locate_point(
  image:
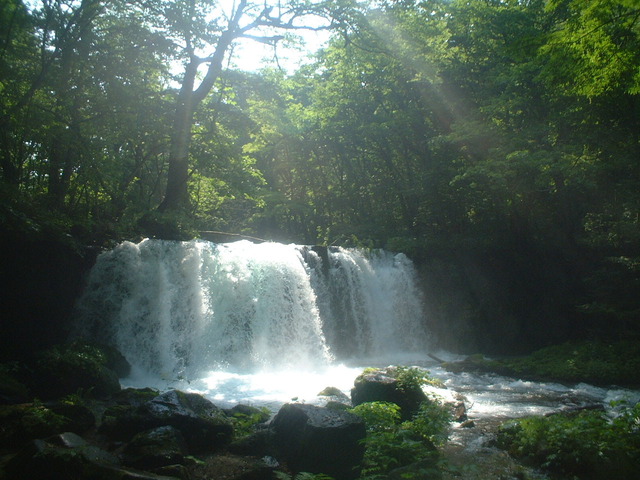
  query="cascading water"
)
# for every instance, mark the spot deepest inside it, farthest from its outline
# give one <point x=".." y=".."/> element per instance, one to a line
<point x="264" y="323"/>
<point x="181" y="309"/>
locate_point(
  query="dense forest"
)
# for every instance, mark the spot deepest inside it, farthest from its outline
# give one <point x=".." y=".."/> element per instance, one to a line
<point x="496" y="142"/>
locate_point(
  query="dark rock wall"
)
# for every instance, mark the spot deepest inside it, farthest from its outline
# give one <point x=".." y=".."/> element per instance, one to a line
<point x="40" y="278"/>
<point x="499" y="301"/>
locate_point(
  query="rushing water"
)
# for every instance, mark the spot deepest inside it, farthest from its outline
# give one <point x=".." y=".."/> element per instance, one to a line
<point x="241" y="318"/>
<point x="267" y="323"/>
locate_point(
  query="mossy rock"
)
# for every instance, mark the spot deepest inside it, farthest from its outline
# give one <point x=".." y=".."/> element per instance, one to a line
<point x="135" y="396"/>
<point x="205" y="427"/>
<point x="71" y="368"/>
<point x="26" y="422"/>
<point x="155" y="448"/>
<point x="387" y="385"/>
<point x="70" y="456"/>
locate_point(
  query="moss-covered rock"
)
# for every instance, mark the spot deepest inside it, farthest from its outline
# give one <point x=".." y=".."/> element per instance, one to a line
<point x="155" y="448"/>
<point x="70" y="456"/>
<point x="391" y="384"/>
<point x="66" y="369"/>
<point x="205" y="427"/>
<point x="22" y="423"/>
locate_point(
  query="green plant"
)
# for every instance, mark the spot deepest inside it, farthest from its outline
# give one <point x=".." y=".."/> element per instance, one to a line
<point x="244" y="423"/>
<point x="39" y="420"/>
<point x="411" y="378"/>
<point x="588" y="444"/>
<point x="432" y="421"/>
<point x="378" y="416"/>
<point x="391" y="443"/>
<point x="591" y="361"/>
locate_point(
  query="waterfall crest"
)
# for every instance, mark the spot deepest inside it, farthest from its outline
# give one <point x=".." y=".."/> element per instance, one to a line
<point x="180" y="308"/>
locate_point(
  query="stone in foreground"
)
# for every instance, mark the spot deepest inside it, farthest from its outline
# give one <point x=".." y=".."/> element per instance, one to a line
<point x="320" y="440"/>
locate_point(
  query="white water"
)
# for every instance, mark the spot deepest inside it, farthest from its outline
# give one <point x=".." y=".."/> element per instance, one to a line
<point x="230" y="317"/>
<point x="267" y="323"/>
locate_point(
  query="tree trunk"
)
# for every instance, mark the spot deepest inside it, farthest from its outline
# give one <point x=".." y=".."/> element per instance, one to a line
<point x="176" y="194"/>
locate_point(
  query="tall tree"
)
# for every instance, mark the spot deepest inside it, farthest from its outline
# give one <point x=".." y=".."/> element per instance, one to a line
<point x="198" y="31"/>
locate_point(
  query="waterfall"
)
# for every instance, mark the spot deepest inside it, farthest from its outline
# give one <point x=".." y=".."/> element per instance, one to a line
<point x="177" y="309"/>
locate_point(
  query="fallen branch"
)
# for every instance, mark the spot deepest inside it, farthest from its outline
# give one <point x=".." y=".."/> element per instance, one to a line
<point x="205" y="233"/>
<point x="439" y="360"/>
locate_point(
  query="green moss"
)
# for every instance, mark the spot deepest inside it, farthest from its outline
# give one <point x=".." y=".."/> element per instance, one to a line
<point x="330" y="391"/>
<point x="21" y="423"/>
<point x="77" y="366"/>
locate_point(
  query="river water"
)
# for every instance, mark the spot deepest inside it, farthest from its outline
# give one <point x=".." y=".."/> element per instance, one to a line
<point x="266" y="324"/>
<point x="484" y="395"/>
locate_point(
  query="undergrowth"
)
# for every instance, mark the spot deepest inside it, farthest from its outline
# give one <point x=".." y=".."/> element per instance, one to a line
<point x="588" y="445"/>
<point x="391" y="443"/>
<point x="595" y="362"/>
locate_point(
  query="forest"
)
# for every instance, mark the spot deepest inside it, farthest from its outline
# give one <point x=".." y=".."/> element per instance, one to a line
<point x="491" y="136"/>
<point x="496" y="143"/>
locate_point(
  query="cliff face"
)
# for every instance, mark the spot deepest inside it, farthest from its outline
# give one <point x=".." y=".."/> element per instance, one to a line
<point x="499" y="301"/>
<point x="41" y="279"/>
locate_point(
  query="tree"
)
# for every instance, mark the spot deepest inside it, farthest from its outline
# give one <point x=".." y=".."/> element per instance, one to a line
<point x="191" y="23"/>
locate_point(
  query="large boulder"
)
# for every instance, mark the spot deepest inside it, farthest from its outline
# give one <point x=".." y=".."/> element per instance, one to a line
<point x="382" y="385"/>
<point x="78" y="366"/>
<point x="155" y="448"/>
<point x="204" y="426"/>
<point x="25" y="422"/>
<point x="320" y="440"/>
<point x="69" y="456"/>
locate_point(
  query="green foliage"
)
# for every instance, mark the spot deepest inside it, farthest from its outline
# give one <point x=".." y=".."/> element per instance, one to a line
<point x="378" y="416"/>
<point x="38" y="419"/>
<point x="391" y="443"/>
<point x="77" y="354"/>
<point x="600" y="40"/>
<point x="412" y="378"/>
<point x="595" y="362"/>
<point x="244" y="423"/>
<point x="76" y="367"/>
<point x="586" y="444"/>
<point x="432" y="421"/>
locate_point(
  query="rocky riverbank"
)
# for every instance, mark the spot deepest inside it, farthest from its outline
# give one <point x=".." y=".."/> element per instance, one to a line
<point x="64" y="415"/>
<point x="83" y="425"/>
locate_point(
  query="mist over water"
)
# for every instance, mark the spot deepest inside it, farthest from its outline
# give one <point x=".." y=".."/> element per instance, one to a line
<point x="181" y="309"/>
<point x="267" y="323"/>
